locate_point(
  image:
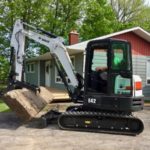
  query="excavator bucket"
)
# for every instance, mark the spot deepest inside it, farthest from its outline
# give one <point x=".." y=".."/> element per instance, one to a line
<point x="28" y="105"/>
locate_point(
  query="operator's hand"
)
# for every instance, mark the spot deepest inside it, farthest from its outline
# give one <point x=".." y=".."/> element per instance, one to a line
<point x="101" y="68"/>
<point x="102" y="72"/>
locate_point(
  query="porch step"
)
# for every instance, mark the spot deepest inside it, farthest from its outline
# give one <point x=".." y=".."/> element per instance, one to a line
<point x="58" y="94"/>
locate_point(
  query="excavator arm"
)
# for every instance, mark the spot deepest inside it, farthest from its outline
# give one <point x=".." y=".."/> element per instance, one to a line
<point x="57" y="50"/>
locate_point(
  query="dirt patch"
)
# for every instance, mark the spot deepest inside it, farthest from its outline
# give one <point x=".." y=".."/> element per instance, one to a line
<point x="15" y="136"/>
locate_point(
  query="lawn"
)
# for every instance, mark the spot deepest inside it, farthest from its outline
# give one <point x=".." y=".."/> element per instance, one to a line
<point x="3" y="107"/>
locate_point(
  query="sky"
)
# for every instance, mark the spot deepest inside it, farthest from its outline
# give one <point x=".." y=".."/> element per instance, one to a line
<point x="147" y="2"/>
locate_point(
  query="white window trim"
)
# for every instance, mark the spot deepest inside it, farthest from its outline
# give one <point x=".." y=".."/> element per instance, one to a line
<point x="38" y="72"/>
<point x="148" y="60"/>
<point x="84" y="60"/>
<point x="60" y="82"/>
<point x="29" y="71"/>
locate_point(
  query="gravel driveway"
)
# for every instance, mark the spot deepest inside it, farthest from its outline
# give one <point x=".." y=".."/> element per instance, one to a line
<point x="15" y="136"/>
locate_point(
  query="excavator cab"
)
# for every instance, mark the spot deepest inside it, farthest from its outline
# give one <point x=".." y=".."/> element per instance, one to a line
<point x="108" y="76"/>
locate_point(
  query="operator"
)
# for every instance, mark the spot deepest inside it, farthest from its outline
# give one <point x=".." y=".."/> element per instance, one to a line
<point x="102" y="73"/>
<point x="118" y="62"/>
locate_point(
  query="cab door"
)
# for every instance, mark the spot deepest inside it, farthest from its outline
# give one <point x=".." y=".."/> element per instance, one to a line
<point x="111" y="58"/>
<point x="120" y="71"/>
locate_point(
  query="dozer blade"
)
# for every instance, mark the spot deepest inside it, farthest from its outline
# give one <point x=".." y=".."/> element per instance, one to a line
<point x="100" y="122"/>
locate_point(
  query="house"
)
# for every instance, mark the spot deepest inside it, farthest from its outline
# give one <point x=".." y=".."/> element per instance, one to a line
<point x="41" y="70"/>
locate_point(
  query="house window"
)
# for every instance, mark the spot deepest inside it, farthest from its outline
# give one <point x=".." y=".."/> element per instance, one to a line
<point x="58" y="78"/>
<point x="31" y="68"/>
<point x="148" y="72"/>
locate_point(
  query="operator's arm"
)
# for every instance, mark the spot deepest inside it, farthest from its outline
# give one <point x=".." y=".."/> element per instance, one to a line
<point x="101" y="68"/>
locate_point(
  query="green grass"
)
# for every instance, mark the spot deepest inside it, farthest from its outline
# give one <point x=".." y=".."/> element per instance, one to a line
<point x="4" y="107"/>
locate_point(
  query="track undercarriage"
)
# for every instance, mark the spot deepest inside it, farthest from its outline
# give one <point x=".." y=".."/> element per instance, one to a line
<point x="95" y="121"/>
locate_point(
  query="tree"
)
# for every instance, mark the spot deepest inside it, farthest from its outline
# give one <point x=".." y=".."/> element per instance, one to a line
<point x="11" y="10"/>
<point x="61" y="16"/>
<point x="127" y="10"/>
<point x="57" y="16"/>
<point x="27" y="10"/>
<point x="131" y="13"/>
<point x="144" y="19"/>
<point x="99" y="19"/>
<point x="4" y="68"/>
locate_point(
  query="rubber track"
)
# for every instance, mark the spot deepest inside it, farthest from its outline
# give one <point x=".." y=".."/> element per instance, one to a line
<point x="100" y="122"/>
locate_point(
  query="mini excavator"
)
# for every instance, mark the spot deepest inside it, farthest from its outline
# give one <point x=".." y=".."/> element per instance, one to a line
<point x="107" y="95"/>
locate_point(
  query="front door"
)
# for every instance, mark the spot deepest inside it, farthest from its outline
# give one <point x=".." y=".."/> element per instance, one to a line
<point x="47" y="74"/>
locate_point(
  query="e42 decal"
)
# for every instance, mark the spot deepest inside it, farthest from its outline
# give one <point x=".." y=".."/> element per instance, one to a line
<point x="92" y="100"/>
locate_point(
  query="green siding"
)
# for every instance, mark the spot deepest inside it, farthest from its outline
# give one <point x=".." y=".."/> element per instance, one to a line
<point x="139" y="68"/>
<point x="42" y="73"/>
<point x="78" y="68"/>
<point x="79" y="63"/>
<point x="53" y="84"/>
<point x="32" y="78"/>
<point x="99" y="60"/>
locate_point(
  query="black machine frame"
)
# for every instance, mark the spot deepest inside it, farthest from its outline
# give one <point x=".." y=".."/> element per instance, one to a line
<point x="109" y="101"/>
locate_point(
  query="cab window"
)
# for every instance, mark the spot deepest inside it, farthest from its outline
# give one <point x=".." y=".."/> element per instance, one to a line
<point x="120" y="57"/>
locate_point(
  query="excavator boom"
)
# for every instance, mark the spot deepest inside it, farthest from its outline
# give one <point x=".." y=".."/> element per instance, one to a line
<point x="56" y="47"/>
